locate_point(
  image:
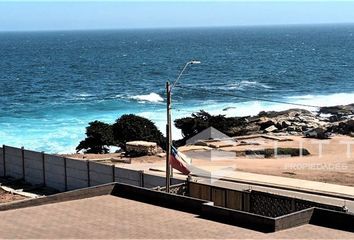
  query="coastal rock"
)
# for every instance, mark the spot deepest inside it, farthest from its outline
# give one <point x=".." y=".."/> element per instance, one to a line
<point x="271" y="129"/>
<point x="291" y="129"/>
<point x="334" y="118"/>
<point x="244" y="130"/>
<point x="285" y="124"/>
<point x="350" y="123"/>
<point x="294" y="112"/>
<point x="338" y="110"/>
<point x="304" y="128"/>
<point x="297" y="124"/>
<point x="338" y="119"/>
<point x="278" y="125"/>
<point x="141" y="148"/>
<point x="265" y="123"/>
<point x="346" y="127"/>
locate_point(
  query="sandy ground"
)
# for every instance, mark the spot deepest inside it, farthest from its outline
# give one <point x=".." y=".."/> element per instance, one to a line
<point x="331" y="160"/>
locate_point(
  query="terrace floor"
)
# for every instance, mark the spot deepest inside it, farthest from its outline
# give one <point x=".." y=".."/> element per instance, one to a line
<point x="114" y="217"/>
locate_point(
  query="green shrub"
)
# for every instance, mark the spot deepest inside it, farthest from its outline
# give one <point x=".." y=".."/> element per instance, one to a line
<point x="126" y="128"/>
<point x="131" y="128"/>
<point x="269" y="152"/>
<point x="99" y="135"/>
<point x="202" y="120"/>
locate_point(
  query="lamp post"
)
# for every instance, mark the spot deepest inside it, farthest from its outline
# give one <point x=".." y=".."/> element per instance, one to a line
<point x="169" y="88"/>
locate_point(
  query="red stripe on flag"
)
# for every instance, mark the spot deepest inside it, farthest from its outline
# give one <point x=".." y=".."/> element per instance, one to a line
<point x="178" y="165"/>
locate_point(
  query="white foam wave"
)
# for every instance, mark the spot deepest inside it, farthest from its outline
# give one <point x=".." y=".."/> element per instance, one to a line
<point x="63" y="134"/>
<point x="254" y="107"/>
<point x="118" y="96"/>
<point x="324" y="100"/>
<point x="247" y="84"/>
<point x="302" y="97"/>
<point x="84" y="95"/>
<point x="151" y="97"/>
<point x="80" y="96"/>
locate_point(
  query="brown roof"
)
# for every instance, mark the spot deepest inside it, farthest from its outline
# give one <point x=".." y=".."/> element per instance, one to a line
<point x="114" y="217"/>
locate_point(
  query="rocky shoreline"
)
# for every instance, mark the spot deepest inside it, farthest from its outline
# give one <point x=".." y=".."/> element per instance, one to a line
<point x="336" y="120"/>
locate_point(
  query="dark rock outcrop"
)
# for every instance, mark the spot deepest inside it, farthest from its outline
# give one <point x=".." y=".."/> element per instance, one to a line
<point x="338" y="119"/>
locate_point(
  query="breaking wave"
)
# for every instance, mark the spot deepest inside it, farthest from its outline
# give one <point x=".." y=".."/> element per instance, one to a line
<point x="151" y="97"/>
<point x="247" y="84"/>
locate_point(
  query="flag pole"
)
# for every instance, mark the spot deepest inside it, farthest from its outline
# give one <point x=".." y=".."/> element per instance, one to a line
<point x="168" y="136"/>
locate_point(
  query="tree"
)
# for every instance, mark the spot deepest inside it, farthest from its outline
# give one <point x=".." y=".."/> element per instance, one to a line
<point x="131" y="128"/>
<point x="201" y="120"/>
<point x="99" y="135"/>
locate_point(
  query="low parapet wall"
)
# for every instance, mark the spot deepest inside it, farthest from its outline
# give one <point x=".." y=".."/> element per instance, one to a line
<point x="238" y="218"/>
<point x="333" y="219"/>
<point x="257" y="202"/>
<point x="60" y="197"/>
<point x="173" y="201"/>
<point x="293" y="219"/>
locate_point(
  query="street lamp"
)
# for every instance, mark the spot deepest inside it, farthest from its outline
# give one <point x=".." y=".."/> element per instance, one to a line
<point x="169" y="124"/>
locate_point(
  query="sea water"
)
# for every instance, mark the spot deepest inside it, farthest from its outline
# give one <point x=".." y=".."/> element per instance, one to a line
<point x="52" y="84"/>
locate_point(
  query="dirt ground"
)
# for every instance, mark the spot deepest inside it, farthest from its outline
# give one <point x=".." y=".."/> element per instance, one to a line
<point x="115" y="158"/>
<point x="9" y="197"/>
<point x="330" y="161"/>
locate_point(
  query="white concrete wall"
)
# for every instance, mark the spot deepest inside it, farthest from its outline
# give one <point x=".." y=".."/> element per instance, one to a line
<point x="13" y="162"/>
<point x="127" y="176"/>
<point x="33" y="167"/>
<point x="151" y="181"/>
<point x="50" y="170"/>
<point x="54" y="172"/>
<point x="77" y="174"/>
<point x="100" y="174"/>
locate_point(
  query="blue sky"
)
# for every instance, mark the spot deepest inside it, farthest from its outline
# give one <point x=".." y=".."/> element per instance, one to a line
<point x="68" y="15"/>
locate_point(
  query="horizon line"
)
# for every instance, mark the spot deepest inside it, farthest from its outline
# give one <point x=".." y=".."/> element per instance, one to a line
<point x="179" y="27"/>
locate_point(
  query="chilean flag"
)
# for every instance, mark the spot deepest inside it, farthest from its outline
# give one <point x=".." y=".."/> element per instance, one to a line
<point x="180" y="161"/>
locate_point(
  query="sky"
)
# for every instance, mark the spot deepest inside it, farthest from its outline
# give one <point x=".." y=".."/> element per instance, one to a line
<point x="41" y="15"/>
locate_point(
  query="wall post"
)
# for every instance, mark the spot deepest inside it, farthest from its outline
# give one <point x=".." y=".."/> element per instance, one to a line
<point x="113" y="173"/>
<point x="65" y="176"/>
<point x="246" y="201"/>
<point x="88" y="173"/>
<point x="3" y="158"/>
<point x="43" y="166"/>
<point x="141" y="178"/>
<point x="23" y="163"/>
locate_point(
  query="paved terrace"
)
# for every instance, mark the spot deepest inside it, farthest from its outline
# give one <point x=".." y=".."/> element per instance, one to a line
<point x="109" y="216"/>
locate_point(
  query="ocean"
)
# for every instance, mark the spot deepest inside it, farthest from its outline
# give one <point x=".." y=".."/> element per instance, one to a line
<point x="53" y="83"/>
